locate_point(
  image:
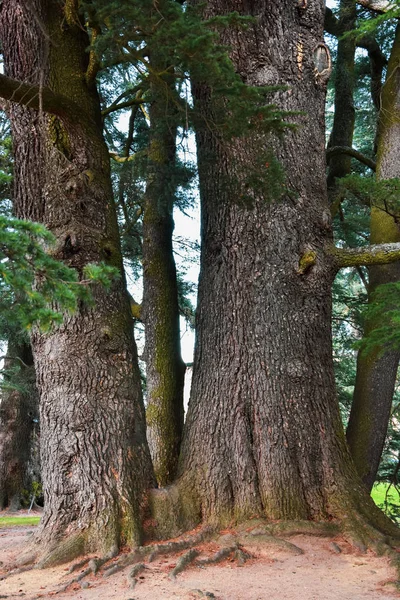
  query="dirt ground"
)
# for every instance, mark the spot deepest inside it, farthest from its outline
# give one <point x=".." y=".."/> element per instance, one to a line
<point x="301" y="568"/>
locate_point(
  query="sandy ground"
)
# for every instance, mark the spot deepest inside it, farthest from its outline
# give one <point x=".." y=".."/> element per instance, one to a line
<point x="320" y="573"/>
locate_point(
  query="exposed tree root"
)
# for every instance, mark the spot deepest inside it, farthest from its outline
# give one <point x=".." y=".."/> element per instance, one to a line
<point x="218" y="556"/>
<point x="133" y="573"/>
<point x="184" y="561"/>
<point x="78" y="565"/>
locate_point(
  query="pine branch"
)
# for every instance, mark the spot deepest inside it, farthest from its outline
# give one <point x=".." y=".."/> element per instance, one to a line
<point x="121" y="106"/>
<point x="351" y="152"/>
<point x="378" y="254"/>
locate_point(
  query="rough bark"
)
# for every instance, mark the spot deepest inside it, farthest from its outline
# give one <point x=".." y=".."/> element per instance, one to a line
<point x="95" y="459"/>
<point x="377" y="369"/>
<point x="19" y="412"/>
<point x="165" y="370"/>
<point x="263" y="433"/>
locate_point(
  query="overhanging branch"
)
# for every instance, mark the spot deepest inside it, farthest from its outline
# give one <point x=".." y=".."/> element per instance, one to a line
<point x="351" y="152"/>
<point x="121" y="106"/>
<point x="379" y="254"/>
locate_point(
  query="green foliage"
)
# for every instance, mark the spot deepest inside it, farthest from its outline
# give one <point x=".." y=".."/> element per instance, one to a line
<point x="34" y="287"/>
<point x="383" y="311"/>
<point x="382" y="193"/>
<point x="190" y="45"/>
<point x="349" y="300"/>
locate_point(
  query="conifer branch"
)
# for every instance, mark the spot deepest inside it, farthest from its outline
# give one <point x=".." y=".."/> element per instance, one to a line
<point x="351" y="152"/>
<point x="378" y="254"/>
<point x="114" y="107"/>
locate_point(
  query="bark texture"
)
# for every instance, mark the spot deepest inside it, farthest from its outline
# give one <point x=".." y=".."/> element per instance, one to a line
<point x="263" y="433"/>
<point x="377" y="369"/>
<point x="165" y="370"/>
<point x="19" y="416"/>
<point x="95" y="458"/>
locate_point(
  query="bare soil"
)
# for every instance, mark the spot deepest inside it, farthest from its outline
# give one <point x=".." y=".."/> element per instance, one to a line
<point x="328" y="569"/>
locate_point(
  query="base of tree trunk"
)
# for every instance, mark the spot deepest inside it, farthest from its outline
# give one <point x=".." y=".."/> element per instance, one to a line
<point x="47" y="550"/>
<point x="356" y="517"/>
<point x="252" y="538"/>
<point x="176" y="510"/>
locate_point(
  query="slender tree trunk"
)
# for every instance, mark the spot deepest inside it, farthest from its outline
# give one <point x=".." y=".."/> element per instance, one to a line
<point x="263" y="432"/>
<point x="95" y="458"/>
<point x="377" y="369"/>
<point x="344" y="117"/>
<point x="165" y="370"/>
<point x="18" y="420"/>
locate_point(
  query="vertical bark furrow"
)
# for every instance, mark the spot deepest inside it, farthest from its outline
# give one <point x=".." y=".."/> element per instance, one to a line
<point x="95" y="459"/>
<point x="263" y="414"/>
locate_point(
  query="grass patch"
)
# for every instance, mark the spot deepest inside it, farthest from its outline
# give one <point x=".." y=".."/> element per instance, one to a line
<point x="388" y="499"/>
<point x="19" y="521"/>
<point x="379" y="494"/>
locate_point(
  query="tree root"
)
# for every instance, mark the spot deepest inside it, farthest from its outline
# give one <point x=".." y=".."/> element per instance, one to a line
<point x="133" y="573"/>
<point x="218" y="556"/>
<point x="78" y="565"/>
<point x="139" y="554"/>
<point x="183" y="562"/>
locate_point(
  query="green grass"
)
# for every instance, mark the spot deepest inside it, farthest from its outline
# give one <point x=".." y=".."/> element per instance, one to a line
<point x="379" y="494"/>
<point x="18" y="521"/>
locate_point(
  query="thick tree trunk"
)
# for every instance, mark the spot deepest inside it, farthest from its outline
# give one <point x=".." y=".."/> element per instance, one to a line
<point x="19" y="412"/>
<point x="95" y="459"/>
<point x="377" y="369"/>
<point x="263" y="433"/>
<point x="165" y="370"/>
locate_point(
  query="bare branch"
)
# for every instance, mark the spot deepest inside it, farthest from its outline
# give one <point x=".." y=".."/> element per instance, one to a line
<point x="379" y="6"/>
<point x="379" y="254"/>
<point x="351" y="152"/>
<point x="121" y="159"/>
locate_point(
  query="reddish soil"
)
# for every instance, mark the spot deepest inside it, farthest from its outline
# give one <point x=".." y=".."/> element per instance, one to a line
<point x="326" y="570"/>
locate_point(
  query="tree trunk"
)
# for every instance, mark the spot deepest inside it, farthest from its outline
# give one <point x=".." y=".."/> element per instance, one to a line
<point x="165" y="370"/>
<point x="377" y="369"/>
<point x="18" y="420"/>
<point x="95" y="458"/>
<point x="263" y="433"/>
<point x="344" y="117"/>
